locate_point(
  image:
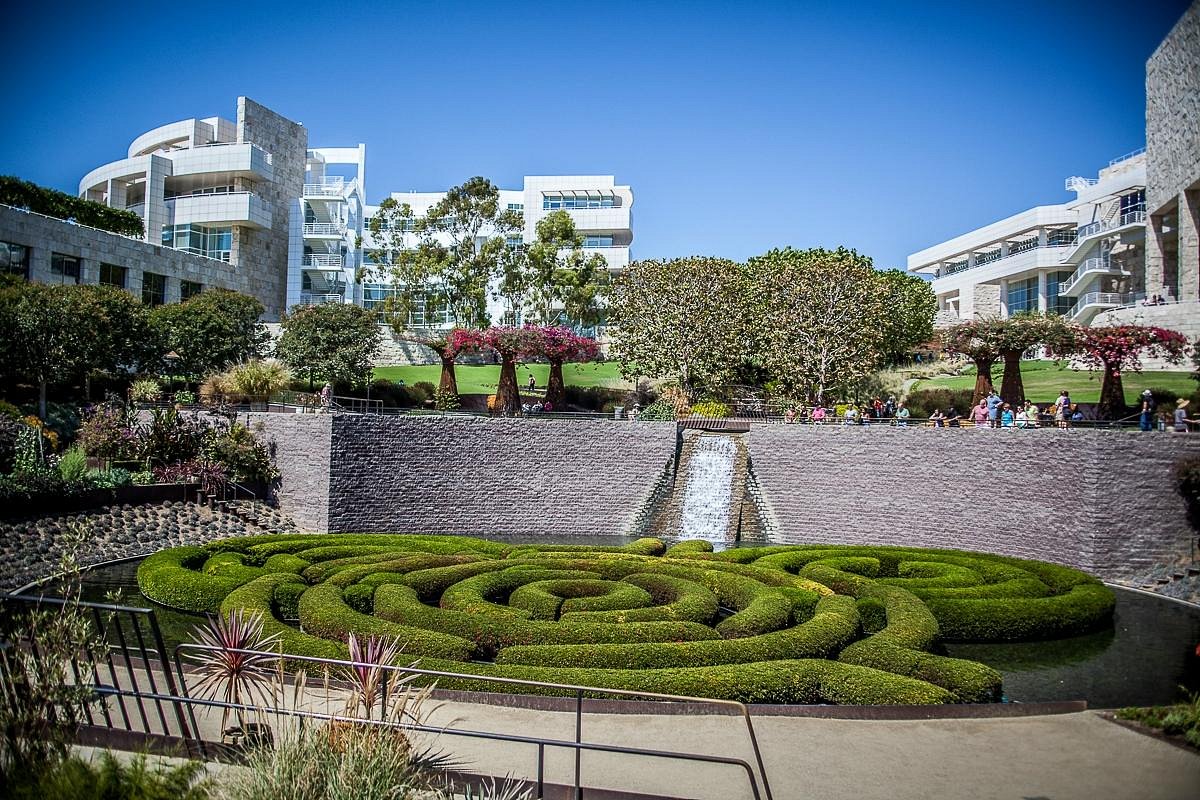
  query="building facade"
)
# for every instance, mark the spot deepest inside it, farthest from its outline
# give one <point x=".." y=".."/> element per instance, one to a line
<point x="218" y="189"/>
<point x="1076" y="258"/>
<point x="1126" y="250"/>
<point x="600" y="209"/>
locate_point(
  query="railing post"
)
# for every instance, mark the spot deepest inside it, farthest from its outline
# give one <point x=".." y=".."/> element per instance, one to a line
<point x="578" y="740"/>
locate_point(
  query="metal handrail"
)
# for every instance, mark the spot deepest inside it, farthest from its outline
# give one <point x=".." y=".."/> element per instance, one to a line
<point x="324" y="228"/>
<point x="1098" y="264"/>
<point x="323" y="260"/>
<point x="578" y="690"/>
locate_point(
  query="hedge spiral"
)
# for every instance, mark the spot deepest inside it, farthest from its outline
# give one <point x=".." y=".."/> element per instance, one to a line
<point x="778" y="624"/>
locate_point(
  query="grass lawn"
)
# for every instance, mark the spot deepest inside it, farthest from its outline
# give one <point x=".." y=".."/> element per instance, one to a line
<point x="483" y="379"/>
<point x="1045" y="379"/>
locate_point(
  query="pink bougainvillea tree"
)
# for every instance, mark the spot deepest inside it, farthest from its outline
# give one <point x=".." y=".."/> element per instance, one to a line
<point x="511" y="344"/>
<point x="559" y="345"/>
<point x="1118" y="348"/>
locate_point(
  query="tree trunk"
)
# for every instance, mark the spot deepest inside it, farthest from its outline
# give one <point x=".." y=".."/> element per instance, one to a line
<point x="1012" y="387"/>
<point x="1112" y="394"/>
<point x="556" y="389"/>
<point x="508" y="397"/>
<point x="448" y="382"/>
<point x="983" y="379"/>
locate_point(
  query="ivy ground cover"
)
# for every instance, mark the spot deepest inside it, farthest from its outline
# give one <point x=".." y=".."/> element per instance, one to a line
<point x="779" y="624"/>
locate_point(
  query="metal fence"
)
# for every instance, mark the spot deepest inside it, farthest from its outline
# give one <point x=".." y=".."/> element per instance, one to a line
<point x="137" y="688"/>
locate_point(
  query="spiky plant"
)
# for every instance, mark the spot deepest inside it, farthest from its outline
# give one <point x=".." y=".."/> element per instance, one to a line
<point x="231" y="676"/>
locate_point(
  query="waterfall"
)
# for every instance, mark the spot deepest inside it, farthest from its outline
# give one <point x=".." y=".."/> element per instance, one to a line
<point x="708" y="491"/>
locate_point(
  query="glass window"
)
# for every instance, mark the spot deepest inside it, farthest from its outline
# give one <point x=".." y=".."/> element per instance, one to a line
<point x="14" y="259"/>
<point x="1022" y="295"/>
<point x="1059" y="305"/>
<point x="189" y="289"/>
<point x="65" y="267"/>
<point x="513" y="242"/>
<point x="112" y="275"/>
<point x="154" y="289"/>
<point x="598" y="241"/>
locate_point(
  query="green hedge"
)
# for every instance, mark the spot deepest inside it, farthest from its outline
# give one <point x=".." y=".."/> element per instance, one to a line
<point x="24" y="194"/>
<point x="787" y="623"/>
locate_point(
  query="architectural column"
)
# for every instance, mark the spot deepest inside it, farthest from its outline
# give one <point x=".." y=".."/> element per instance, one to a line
<point x="116" y="194"/>
<point x="1154" y="254"/>
<point x="1004" y="249"/>
<point x="1004" y="298"/>
<point x="1043" y="292"/>
<point x="1189" y="246"/>
<point x="1043" y="237"/>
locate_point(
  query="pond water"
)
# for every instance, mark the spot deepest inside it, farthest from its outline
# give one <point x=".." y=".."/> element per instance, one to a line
<point x="1147" y="657"/>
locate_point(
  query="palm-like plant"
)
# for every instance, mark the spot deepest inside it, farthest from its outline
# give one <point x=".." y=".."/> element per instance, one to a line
<point x="225" y="673"/>
<point x="368" y="676"/>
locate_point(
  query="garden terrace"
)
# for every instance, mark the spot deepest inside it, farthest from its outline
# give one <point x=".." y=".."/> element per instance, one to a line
<point x="781" y="624"/>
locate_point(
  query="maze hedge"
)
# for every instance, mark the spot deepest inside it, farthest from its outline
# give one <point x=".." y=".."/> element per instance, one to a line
<point x="784" y="624"/>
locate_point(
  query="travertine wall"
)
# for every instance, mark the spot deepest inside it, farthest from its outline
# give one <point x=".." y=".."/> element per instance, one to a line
<point x="1173" y="112"/>
<point x="1101" y="501"/>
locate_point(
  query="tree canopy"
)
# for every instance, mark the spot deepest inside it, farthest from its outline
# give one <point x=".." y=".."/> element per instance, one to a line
<point x="817" y="318"/>
<point x="334" y="342"/>
<point x="682" y="319"/>
<point x="911" y="307"/>
<point x="1117" y="348"/>
<point x="210" y="331"/>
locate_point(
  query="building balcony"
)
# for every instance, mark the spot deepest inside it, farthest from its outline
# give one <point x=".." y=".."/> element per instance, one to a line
<point x="1088" y="235"/>
<point x="325" y="189"/>
<point x="1090" y="269"/>
<point x="235" y="158"/>
<point x="1020" y="256"/>
<point x="324" y="261"/>
<point x="234" y="208"/>
<point x="310" y="299"/>
<point x="324" y="230"/>
<point x="1092" y="303"/>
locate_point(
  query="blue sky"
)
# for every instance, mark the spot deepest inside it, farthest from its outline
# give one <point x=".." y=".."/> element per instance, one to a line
<point x="884" y="126"/>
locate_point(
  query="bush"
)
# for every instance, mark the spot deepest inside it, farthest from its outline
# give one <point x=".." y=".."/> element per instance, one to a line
<point x="110" y="431"/>
<point x="924" y="402"/>
<point x="145" y="390"/>
<point x="658" y="411"/>
<point x="595" y="398"/>
<point x="110" y="478"/>
<point x="711" y="409"/>
<point x="631" y="617"/>
<point x="73" y="465"/>
<point x="185" y="397"/>
<point x="75" y="778"/>
<point x="446" y="401"/>
<point x="41" y="200"/>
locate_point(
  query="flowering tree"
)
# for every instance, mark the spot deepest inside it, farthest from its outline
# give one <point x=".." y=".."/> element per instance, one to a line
<point x="557" y="346"/>
<point x="1117" y="348"/>
<point x="973" y="339"/>
<point x="511" y="344"/>
<point x="1012" y="337"/>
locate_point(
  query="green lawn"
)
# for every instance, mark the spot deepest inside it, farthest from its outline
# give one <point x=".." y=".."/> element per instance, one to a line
<point x="483" y="379"/>
<point x="1045" y="379"/>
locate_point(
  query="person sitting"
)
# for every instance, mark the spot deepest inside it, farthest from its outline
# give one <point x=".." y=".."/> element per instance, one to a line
<point x="902" y="415"/>
<point x="850" y="416"/>
<point x="938" y="418"/>
<point x="1076" y="413"/>
<point x="790" y="416"/>
<point x="547" y="406"/>
<point x="538" y="408"/>
<point x="1022" y="417"/>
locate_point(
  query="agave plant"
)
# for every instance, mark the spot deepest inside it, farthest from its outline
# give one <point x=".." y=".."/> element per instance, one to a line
<point x="228" y="675"/>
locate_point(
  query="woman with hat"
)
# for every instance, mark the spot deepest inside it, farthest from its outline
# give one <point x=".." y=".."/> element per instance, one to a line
<point x="1181" y="417"/>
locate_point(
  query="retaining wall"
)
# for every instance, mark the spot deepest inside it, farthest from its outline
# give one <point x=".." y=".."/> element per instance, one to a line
<point x="1099" y="500"/>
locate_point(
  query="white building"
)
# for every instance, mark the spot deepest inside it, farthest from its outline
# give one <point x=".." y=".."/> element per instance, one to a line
<point x="325" y="249"/>
<point x="1076" y="258"/>
<point x="600" y="209"/>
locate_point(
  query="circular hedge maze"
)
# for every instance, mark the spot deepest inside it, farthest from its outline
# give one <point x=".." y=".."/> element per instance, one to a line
<point x="783" y="624"/>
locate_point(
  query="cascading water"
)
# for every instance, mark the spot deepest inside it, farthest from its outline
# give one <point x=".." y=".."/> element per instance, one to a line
<point x="708" y="490"/>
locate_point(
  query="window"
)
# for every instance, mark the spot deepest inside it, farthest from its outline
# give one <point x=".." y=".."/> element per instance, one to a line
<point x="189" y="289"/>
<point x="1022" y="296"/>
<point x="14" y="259"/>
<point x="556" y="200"/>
<point x="514" y="242"/>
<point x="214" y="243"/>
<point x="516" y="206"/>
<point x="154" y="289"/>
<point x="112" y="275"/>
<point x="1059" y="305"/>
<point x="597" y="241"/>
<point x="1133" y="202"/>
<point x="65" y="267"/>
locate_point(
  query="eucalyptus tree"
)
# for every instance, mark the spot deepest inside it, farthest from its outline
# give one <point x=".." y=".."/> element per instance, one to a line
<point x="445" y="258"/>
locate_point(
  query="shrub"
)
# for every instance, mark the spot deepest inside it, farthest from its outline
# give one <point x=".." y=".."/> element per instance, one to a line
<point x="110" y="478"/>
<point x="10" y="430"/>
<point x="73" y="465"/>
<point x="241" y="455"/>
<point x="446" y="400"/>
<point x="171" y="437"/>
<point x="145" y="390"/>
<point x="924" y="402"/>
<point x="78" y="779"/>
<point x="659" y="411"/>
<point x="143" y="478"/>
<point x="41" y="200"/>
<point x="185" y="397"/>
<point x="711" y="409"/>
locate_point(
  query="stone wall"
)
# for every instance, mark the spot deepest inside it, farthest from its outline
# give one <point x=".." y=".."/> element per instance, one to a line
<point x="1101" y="501"/>
<point x="492" y="476"/>
<point x="300" y="446"/>
<point x="1173" y="112"/>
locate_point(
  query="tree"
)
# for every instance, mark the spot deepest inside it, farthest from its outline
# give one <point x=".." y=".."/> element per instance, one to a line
<point x="681" y="319"/>
<point x="334" y="342"/>
<point x="1117" y="348"/>
<point x="973" y="339"/>
<point x="817" y="317"/>
<point x="558" y="345"/>
<point x="210" y="331"/>
<point x="911" y="306"/>
<point x="565" y="282"/>
<point x="122" y="339"/>
<point x="47" y="333"/>
<point x="511" y="343"/>
<point x="448" y="256"/>
<point x="1012" y="337"/>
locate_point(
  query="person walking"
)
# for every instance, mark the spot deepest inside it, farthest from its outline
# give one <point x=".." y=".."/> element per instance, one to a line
<point x="532" y="383"/>
<point x="1062" y="409"/>
<point x="326" y="397"/>
<point x="1146" y="418"/>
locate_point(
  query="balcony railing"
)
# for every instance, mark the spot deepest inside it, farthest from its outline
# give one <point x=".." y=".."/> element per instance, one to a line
<point x="1100" y="227"/>
<point x="1103" y="301"/>
<point x="1127" y="156"/>
<point x="329" y="187"/>
<point x="324" y="229"/>
<point x="1058" y="239"/>
<point x="307" y="299"/>
<point x="330" y="261"/>
<point x="1100" y="265"/>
